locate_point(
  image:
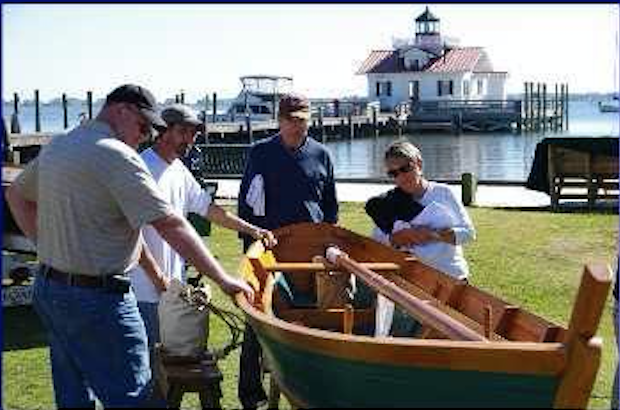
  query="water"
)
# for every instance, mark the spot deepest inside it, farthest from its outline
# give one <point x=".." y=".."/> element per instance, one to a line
<point x="490" y="156"/>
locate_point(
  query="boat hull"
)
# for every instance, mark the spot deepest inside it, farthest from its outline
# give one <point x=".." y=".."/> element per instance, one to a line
<point x="524" y="361"/>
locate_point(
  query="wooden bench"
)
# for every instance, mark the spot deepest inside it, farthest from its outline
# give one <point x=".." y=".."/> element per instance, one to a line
<point x="577" y="174"/>
<point x="180" y="375"/>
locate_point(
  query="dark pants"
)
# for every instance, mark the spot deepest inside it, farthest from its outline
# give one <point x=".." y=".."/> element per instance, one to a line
<point x="250" y="388"/>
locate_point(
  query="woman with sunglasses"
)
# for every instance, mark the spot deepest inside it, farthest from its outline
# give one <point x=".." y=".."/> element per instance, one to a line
<point x="423" y="217"/>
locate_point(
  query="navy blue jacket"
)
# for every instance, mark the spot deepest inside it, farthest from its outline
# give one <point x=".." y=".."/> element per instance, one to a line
<point x="299" y="185"/>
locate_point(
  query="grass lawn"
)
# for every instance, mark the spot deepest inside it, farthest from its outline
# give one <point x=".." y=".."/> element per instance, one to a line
<point x="531" y="258"/>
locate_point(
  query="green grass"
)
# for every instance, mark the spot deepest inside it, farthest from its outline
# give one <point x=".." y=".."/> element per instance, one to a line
<point x="531" y="258"/>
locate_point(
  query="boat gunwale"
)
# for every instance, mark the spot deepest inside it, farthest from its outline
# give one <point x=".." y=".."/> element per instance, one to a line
<point x="506" y="357"/>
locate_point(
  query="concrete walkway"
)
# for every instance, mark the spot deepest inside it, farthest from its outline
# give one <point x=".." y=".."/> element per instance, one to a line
<point x="495" y="196"/>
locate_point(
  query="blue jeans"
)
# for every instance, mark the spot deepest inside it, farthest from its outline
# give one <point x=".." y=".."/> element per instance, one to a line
<point x="149" y="314"/>
<point x="98" y="345"/>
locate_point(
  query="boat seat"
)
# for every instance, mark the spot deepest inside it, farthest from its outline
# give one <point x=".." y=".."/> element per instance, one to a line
<point x="182" y="374"/>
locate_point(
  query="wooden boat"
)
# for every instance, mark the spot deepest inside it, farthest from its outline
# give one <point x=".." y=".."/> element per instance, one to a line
<point x="474" y="350"/>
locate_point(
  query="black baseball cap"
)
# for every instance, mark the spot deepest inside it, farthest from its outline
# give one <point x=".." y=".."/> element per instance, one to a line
<point x="141" y="98"/>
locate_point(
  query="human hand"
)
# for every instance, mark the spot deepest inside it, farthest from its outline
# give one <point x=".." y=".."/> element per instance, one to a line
<point x="266" y="237"/>
<point x="161" y="283"/>
<point x="232" y="285"/>
<point x="414" y="236"/>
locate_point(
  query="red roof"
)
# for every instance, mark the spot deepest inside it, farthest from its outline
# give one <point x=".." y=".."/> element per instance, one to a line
<point x="380" y="61"/>
<point x="455" y="60"/>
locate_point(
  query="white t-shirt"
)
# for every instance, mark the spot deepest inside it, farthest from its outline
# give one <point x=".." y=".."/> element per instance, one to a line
<point x="442" y="210"/>
<point x="181" y="189"/>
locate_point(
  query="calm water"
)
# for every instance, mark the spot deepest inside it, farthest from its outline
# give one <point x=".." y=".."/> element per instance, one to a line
<point x="493" y="156"/>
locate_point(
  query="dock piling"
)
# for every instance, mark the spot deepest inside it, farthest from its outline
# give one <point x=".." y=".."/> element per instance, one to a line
<point x="37" y="112"/>
<point x="89" y="104"/>
<point x="65" y="112"/>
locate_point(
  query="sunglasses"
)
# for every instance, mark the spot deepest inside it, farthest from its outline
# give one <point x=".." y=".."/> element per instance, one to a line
<point x="393" y="173"/>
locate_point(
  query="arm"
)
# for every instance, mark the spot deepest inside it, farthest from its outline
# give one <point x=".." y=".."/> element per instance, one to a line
<point x="183" y="238"/>
<point x="229" y="220"/>
<point x="150" y="266"/>
<point x="463" y="230"/>
<point x="24" y="212"/>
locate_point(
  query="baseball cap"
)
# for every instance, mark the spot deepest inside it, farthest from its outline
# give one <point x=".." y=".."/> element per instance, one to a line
<point x="181" y="114"/>
<point x="294" y="105"/>
<point x="141" y="98"/>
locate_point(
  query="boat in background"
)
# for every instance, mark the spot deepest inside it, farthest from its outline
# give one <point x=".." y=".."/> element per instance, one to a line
<point x="473" y="349"/>
<point x="612" y="106"/>
<point x="259" y="97"/>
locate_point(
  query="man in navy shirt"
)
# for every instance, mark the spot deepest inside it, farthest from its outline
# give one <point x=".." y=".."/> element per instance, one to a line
<point x="289" y="178"/>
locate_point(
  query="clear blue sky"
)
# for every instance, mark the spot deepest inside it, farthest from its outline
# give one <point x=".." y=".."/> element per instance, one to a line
<point x="205" y="48"/>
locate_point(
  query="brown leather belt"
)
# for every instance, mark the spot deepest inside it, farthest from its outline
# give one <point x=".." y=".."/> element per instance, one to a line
<point x="73" y="279"/>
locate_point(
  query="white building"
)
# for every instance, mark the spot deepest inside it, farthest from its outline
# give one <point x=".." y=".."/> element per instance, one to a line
<point x="429" y="68"/>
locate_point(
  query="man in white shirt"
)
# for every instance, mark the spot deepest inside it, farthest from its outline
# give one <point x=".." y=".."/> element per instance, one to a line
<point x="186" y="195"/>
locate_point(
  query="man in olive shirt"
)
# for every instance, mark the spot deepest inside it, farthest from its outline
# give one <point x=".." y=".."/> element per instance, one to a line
<point x="84" y="201"/>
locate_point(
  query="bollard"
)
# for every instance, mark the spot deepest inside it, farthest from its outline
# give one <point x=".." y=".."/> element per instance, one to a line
<point x="468" y="188"/>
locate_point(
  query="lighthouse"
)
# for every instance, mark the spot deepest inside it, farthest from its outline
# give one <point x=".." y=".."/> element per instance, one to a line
<point x="427" y="33"/>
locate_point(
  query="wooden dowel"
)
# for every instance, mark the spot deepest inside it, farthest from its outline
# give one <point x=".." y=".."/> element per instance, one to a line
<point x="318" y="266"/>
<point x="424" y="312"/>
<point x="348" y="319"/>
<point x="488" y="321"/>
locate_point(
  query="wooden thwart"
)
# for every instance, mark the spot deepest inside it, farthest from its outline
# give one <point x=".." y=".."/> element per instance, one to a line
<point x="421" y="310"/>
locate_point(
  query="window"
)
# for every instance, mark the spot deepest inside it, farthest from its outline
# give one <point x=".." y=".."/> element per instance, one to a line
<point x="466" y="87"/>
<point x="480" y="85"/>
<point x="384" y="88"/>
<point x="445" y="87"/>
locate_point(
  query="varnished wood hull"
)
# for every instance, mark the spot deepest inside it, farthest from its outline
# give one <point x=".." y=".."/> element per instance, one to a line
<point x="524" y="365"/>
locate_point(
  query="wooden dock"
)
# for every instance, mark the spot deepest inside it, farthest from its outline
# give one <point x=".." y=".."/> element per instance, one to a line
<point x="465" y="115"/>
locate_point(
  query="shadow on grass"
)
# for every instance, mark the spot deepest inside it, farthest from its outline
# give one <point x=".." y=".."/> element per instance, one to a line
<point x="568" y="208"/>
<point x="22" y="329"/>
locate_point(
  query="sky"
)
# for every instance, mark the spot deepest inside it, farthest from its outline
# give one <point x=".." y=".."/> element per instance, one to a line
<point x="201" y="49"/>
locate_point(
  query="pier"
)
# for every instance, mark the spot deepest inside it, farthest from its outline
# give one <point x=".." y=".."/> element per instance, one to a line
<point x="538" y="111"/>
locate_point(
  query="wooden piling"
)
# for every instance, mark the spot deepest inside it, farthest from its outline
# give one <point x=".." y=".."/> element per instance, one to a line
<point x="556" y="111"/>
<point x="89" y="103"/>
<point x="520" y="119"/>
<point x="538" y="106"/>
<point x="544" y="107"/>
<point x="214" y="107"/>
<point x="526" y="97"/>
<point x="37" y="112"/>
<point x="15" y="103"/>
<point x="65" y="112"/>
<point x="350" y="122"/>
<point x="468" y="188"/>
<point x="375" y="128"/>
<point x="565" y="105"/>
<point x="531" y="127"/>
<point x="321" y="128"/>
<point x="15" y="126"/>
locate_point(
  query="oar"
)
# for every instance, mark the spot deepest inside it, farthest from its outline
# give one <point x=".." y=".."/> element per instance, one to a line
<point x="421" y="310"/>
